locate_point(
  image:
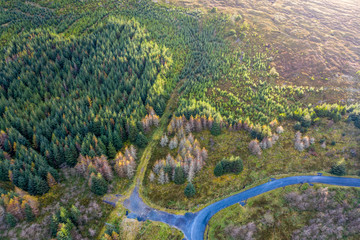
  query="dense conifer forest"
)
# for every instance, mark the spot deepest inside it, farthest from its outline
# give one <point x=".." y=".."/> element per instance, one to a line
<point x="63" y="98"/>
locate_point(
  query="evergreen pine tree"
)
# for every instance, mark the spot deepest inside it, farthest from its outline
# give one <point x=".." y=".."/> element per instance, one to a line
<point x="96" y="127"/>
<point x="168" y="170"/>
<point x="49" y="156"/>
<point x="237" y="166"/>
<point x="31" y="185"/>
<point x="218" y="171"/>
<point x="10" y="220"/>
<point x="7" y="145"/>
<point x="133" y="131"/>
<point x="29" y="213"/>
<point x="84" y="149"/>
<point x="15" y="177"/>
<point x="102" y="148"/>
<point x="92" y="153"/>
<point x="74" y="214"/>
<point x="4" y="171"/>
<point x="98" y="185"/>
<point x="189" y="190"/>
<point x="141" y="140"/>
<point x="57" y="157"/>
<point x="71" y="155"/>
<point x="179" y="176"/>
<point x="338" y="169"/>
<point x="158" y="109"/>
<point x="68" y="156"/>
<point x="22" y="183"/>
<point x="117" y="141"/>
<point x="54" y="223"/>
<point x="111" y="152"/>
<point x="41" y="186"/>
<point x="215" y="129"/>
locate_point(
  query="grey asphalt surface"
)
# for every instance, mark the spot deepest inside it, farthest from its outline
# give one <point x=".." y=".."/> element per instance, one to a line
<point x="193" y="225"/>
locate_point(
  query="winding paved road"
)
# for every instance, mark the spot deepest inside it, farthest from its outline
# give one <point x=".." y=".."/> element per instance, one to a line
<point x="193" y="225"/>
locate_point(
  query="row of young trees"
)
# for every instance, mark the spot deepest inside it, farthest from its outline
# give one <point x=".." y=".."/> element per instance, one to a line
<point x="63" y="16"/>
<point x="264" y="138"/>
<point x="61" y="99"/>
<point x="99" y="172"/>
<point x="229" y="165"/>
<point x="189" y="160"/>
<point x="203" y="122"/>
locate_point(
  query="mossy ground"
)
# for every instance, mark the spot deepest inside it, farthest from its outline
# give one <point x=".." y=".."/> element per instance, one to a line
<point x="156" y="230"/>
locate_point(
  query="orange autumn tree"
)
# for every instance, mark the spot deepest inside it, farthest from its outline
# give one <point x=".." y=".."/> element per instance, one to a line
<point x="15" y="203"/>
<point x="50" y="180"/>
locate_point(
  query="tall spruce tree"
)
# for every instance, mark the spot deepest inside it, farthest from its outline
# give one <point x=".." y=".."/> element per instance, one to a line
<point x="98" y="185"/>
<point x="117" y="141"/>
<point x="237" y="166"/>
<point x="215" y="129"/>
<point x="29" y="213"/>
<point x="111" y="152"/>
<point x="338" y="169"/>
<point x="218" y="171"/>
<point x="179" y="177"/>
<point x="141" y="140"/>
<point x="189" y="190"/>
<point x="10" y="220"/>
<point x="133" y="131"/>
<point x="71" y="155"/>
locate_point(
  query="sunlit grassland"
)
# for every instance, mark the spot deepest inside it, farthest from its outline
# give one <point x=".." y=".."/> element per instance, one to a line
<point x="280" y="160"/>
